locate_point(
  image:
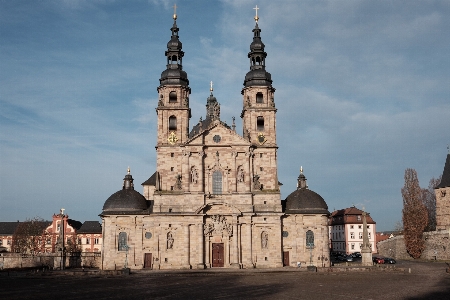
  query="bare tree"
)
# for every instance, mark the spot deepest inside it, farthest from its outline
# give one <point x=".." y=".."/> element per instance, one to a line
<point x="30" y="236"/>
<point x="429" y="200"/>
<point x="415" y="215"/>
<point x="72" y="245"/>
<point x="398" y="227"/>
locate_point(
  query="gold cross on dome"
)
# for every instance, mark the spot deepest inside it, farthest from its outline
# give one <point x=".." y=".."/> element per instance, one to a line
<point x="174" y="11"/>
<point x="211" y="86"/>
<point x="256" y="16"/>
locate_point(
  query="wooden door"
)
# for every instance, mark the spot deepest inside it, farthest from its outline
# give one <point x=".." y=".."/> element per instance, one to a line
<point x="286" y="258"/>
<point x="147" y="260"/>
<point x="217" y="255"/>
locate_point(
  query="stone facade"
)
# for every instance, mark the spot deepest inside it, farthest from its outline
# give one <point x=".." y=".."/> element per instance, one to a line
<point x="443" y="208"/>
<point x="443" y="199"/>
<point x="214" y="200"/>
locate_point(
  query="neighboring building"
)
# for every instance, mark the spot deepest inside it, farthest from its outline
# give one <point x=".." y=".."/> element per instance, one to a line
<point x="346" y="230"/>
<point x="442" y="192"/>
<point x="214" y="200"/>
<point x="7" y="230"/>
<point x="61" y="226"/>
<point x="90" y="236"/>
<point x="382" y="237"/>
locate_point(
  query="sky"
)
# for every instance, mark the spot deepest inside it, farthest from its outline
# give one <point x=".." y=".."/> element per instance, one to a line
<point x="362" y="92"/>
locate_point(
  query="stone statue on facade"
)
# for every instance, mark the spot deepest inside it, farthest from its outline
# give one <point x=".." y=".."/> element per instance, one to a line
<point x="264" y="239"/>
<point x="170" y="241"/>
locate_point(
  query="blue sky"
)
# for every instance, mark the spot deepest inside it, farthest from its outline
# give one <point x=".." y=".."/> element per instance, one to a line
<point x="362" y="91"/>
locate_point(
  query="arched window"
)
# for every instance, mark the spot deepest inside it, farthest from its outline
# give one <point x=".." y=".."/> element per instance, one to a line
<point x="259" y="98"/>
<point x="122" y="242"/>
<point x="260" y="123"/>
<point x="173" y="97"/>
<point x="172" y="123"/>
<point x="309" y="239"/>
<point x="217" y="183"/>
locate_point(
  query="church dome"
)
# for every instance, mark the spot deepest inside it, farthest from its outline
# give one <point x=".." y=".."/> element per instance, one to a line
<point x="305" y="201"/>
<point x="126" y="200"/>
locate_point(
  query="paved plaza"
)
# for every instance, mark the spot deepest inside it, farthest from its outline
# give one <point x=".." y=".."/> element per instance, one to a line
<point x="426" y="281"/>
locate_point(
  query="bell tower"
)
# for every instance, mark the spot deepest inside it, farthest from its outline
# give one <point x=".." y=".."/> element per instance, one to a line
<point x="258" y="116"/>
<point x="173" y="117"/>
<point x="258" y="113"/>
<point x="173" y="105"/>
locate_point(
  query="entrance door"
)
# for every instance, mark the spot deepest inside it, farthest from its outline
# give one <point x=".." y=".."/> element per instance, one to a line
<point x="217" y="255"/>
<point x="285" y="258"/>
<point x="147" y="260"/>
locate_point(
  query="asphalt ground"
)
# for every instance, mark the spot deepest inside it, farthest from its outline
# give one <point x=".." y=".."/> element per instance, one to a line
<point x="427" y="280"/>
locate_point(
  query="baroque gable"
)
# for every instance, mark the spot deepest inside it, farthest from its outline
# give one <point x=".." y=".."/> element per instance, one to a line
<point x="218" y="135"/>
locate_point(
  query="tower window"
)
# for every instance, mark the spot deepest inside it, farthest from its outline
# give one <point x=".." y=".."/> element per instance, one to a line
<point x="173" y="97"/>
<point x="259" y="98"/>
<point x="260" y="123"/>
<point x="172" y="123"/>
<point x="217" y="183"/>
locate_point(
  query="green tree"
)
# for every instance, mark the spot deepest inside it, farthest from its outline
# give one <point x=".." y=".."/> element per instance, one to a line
<point x="415" y="214"/>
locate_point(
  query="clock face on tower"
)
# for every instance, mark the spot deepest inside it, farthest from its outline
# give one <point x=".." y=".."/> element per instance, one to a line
<point x="261" y="138"/>
<point x="172" y="138"/>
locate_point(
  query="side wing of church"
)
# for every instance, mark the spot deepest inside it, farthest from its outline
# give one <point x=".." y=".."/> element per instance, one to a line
<point x="214" y="200"/>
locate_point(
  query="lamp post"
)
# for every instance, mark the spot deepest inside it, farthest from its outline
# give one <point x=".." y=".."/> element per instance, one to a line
<point x="126" y="256"/>
<point x="61" y="232"/>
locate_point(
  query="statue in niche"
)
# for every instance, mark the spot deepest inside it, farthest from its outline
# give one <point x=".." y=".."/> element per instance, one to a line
<point x="194" y="175"/>
<point x="178" y="184"/>
<point x="272" y="102"/>
<point x="186" y="101"/>
<point x="264" y="240"/>
<point x="161" y="101"/>
<point x="169" y="241"/>
<point x="249" y="104"/>
<point x="256" y="183"/>
<point x="240" y="175"/>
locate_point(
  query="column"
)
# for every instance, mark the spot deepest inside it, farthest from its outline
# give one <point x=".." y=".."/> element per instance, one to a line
<point x="235" y="262"/>
<point x="235" y="171"/>
<point x="187" y="245"/>
<point x="248" y="171"/>
<point x="201" y="251"/>
<point x="248" y="242"/>
<point x="207" y="252"/>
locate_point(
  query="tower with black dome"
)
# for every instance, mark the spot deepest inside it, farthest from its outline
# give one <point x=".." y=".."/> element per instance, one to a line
<point x="259" y="112"/>
<point x="173" y="114"/>
<point x="173" y="106"/>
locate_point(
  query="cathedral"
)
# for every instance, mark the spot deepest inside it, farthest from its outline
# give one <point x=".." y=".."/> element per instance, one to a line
<point x="214" y="200"/>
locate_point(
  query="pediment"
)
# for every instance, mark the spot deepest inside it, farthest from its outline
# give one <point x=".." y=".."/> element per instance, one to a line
<point x="218" y="134"/>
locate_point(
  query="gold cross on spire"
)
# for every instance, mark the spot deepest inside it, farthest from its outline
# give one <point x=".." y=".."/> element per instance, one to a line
<point x="174" y="11"/>
<point x="256" y="16"/>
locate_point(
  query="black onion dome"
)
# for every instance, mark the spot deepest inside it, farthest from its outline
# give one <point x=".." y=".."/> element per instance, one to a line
<point x="126" y="200"/>
<point x="174" y="74"/>
<point x="257" y="76"/>
<point x="305" y="201"/>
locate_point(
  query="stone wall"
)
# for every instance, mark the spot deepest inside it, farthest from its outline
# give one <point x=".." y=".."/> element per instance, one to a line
<point x="437" y="246"/>
<point x="49" y="260"/>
